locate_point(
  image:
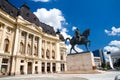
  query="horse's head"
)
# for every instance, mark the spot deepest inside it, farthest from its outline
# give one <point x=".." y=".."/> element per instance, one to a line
<point x="86" y="33"/>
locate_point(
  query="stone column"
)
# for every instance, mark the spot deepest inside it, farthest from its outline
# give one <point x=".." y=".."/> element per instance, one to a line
<point x="3" y="38"/>
<point x="51" y="67"/>
<point x="33" y="41"/>
<point x="51" y="50"/>
<point x="39" y="67"/>
<point x="14" y="65"/>
<point x="26" y="43"/>
<point x="57" y="57"/>
<point x="45" y="49"/>
<point x="45" y="67"/>
<point x="33" y="67"/>
<point x="14" y="52"/>
<point x="17" y="66"/>
<point x="65" y="66"/>
<point x="25" y="67"/>
<point x="57" y="51"/>
<point x="19" y="40"/>
<point x="16" y="39"/>
<point x="39" y="47"/>
<point x="58" y="67"/>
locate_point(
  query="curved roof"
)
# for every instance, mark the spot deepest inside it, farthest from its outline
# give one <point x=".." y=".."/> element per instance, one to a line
<point x="25" y="12"/>
<point x="9" y="8"/>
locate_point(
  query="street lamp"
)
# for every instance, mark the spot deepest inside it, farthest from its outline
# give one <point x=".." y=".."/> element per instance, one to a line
<point x="110" y="60"/>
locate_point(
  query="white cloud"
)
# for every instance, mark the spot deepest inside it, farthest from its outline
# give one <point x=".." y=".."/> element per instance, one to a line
<point x="55" y="18"/>
<point x="73" y="28"/>
<point x="41" y="0"/>
<point x="114" y="31"/>
<point x="115" y="43"/>
<point x="113" y="46"/>
<point x="112" y="49"/>
<point x="64" y="33"/>
<point x="52" y="17"/>
<point x="76" y="48"/>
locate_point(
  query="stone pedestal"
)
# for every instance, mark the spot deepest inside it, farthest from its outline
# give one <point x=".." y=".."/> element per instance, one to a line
<point x="80" y="62"/>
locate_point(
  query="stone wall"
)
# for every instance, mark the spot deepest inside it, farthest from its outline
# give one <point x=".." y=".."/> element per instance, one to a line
<point x="80" y="62"/>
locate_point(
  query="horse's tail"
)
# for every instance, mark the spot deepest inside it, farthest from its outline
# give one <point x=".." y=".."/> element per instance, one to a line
<point x="67" y="39"/>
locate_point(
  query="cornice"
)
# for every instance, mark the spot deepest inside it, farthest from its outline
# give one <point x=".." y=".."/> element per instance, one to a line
<point x="6" y="16"/>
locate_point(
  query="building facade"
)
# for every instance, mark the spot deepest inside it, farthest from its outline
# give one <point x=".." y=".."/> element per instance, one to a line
<point x="28" y="46"/>
<point x="115" y="57"/>
<point x="98" y="57"/>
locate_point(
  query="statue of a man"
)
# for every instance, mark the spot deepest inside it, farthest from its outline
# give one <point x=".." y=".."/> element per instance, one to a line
<point x="77" y="34"/>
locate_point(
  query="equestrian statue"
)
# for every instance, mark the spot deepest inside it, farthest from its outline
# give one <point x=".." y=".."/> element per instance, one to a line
<point x="79" y="39"/>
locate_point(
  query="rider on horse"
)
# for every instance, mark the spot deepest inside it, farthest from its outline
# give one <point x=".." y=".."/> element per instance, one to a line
<point x="77" y="34"/>
<point x="79" y="39"/>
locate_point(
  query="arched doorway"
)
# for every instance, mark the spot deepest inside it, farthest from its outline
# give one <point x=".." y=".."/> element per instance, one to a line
<point x="21" y="69"/>
<point x="48" y="67"/>
<point x="54" y="67"/>
<point x="29" y="69"/>
<point x="62" y="67"/>
<point x="43" y="67"/>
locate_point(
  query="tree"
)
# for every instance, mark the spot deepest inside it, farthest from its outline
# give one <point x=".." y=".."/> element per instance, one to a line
<point x="117" y="63"/>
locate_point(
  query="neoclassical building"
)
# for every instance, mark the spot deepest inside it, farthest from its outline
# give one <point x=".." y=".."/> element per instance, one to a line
<point x="28" y="46"/>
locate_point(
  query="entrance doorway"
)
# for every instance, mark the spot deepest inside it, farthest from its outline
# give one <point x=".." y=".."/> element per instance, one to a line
<point x="54" y="67"/>
<point x="43" y="67"/>
<point x="62" y="67"/>
<point x="21" y="69"/>
<point x="29" y="70"/>
<point x="4" y="69"/>
<point x="4" y="66"/>
<point x="36" y="69"/>
<point x="48" y="67"/>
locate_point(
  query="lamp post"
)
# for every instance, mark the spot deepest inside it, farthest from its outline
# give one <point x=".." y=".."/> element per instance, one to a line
<point x="110" y="60"/>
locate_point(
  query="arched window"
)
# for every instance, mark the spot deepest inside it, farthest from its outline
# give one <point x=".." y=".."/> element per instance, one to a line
<point x="23" y="34"/>
<point x="48" y="54"/>
<point x="42" y="53"/>
<point x="35" y="51"/>
<point x="62" y="56"/>
<point x="53" y="54"/>
<point x="29" y="49"/>
<point x="6" y="45"/>
<point x="21" y="48"/>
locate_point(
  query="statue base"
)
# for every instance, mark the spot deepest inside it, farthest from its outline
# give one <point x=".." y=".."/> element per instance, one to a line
<point x="80" y="62"/>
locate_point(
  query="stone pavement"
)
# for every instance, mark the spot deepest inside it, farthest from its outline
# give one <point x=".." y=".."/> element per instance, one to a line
<point x="42" y="77"/>
<point x="109" y="75"/>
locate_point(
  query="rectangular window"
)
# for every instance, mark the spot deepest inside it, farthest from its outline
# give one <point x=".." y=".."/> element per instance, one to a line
<point x="4" y="68"/>
<point x="5" y="61"/>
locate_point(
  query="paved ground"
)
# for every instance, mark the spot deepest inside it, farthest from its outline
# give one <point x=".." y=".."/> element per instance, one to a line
<point x="43" y="77"/>
<point x="109" y="75"/>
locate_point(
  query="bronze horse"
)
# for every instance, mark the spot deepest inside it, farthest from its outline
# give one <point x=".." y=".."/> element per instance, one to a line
<point x="82" y="41"/>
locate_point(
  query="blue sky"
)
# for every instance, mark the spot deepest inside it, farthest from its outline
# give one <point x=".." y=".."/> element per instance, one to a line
<point x="101" y="16"/>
